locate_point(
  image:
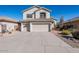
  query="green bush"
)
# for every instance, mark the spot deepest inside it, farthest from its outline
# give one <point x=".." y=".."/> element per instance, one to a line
<point x="66" y="32"/>
<point x="76" y="34"/>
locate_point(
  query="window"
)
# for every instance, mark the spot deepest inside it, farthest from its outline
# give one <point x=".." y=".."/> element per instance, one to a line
<point x="4" y="28"/>
<point x="42" y="15"/>
<point x="29" y="15"/>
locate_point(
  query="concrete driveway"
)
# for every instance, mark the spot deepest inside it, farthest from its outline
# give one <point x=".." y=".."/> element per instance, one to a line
<point x="34" y="42"/>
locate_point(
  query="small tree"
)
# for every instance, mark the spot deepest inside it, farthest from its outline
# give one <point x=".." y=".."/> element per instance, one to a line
<point x="61" y="23"/>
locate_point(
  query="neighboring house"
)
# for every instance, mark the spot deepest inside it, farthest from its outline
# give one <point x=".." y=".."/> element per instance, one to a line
<point x="8" y="24"/>
<point x="74" y="22"/>
<point x="37" y="19"/>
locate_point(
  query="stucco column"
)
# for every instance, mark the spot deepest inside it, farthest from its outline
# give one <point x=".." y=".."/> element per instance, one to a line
<point x="30" y="27"/>
<point x="22" y="27"/>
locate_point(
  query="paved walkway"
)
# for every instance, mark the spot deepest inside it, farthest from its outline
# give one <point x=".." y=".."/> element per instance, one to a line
<point x="42" y="42"/>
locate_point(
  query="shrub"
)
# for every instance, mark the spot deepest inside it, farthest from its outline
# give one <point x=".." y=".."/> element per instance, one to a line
<point x="66" y="32"/>
<point x="76" y="34"/>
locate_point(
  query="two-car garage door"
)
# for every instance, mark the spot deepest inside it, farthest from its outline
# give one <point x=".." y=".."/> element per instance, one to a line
<point x="40" y="28"/>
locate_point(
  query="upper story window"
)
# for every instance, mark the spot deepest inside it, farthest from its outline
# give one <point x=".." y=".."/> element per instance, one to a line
<point x="42" y="15"/>
<point x="29" y="15"/>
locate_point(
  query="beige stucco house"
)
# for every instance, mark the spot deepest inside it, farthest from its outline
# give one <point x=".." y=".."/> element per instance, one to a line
<point x="8" y="24"/>
<point x="37" y="19"/>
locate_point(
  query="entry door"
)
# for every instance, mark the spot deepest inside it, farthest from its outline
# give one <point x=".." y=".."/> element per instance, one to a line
<point x="26" y="28"/>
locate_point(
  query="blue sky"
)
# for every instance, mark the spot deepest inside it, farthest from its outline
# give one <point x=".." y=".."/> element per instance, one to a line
<point x="15" y="11"/>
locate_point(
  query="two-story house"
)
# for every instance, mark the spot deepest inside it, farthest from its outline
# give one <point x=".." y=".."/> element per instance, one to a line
<point x="37" y="19"/>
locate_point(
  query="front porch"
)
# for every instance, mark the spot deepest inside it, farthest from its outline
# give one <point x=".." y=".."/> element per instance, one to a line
<point x="25" y="27"/>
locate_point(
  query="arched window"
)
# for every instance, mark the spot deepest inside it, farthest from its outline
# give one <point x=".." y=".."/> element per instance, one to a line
<point x="42" y="15"/>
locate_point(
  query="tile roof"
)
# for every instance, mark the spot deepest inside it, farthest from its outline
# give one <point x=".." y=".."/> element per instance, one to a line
<point x="73" y="19"/>
<point x="7" y="19"/>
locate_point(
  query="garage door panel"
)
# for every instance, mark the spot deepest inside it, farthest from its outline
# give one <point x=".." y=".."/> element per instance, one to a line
<point x="40" y="28"/>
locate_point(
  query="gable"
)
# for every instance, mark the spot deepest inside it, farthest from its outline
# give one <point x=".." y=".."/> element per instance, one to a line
<point x="31" y="9"/>
<point x="36" y="8"/>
